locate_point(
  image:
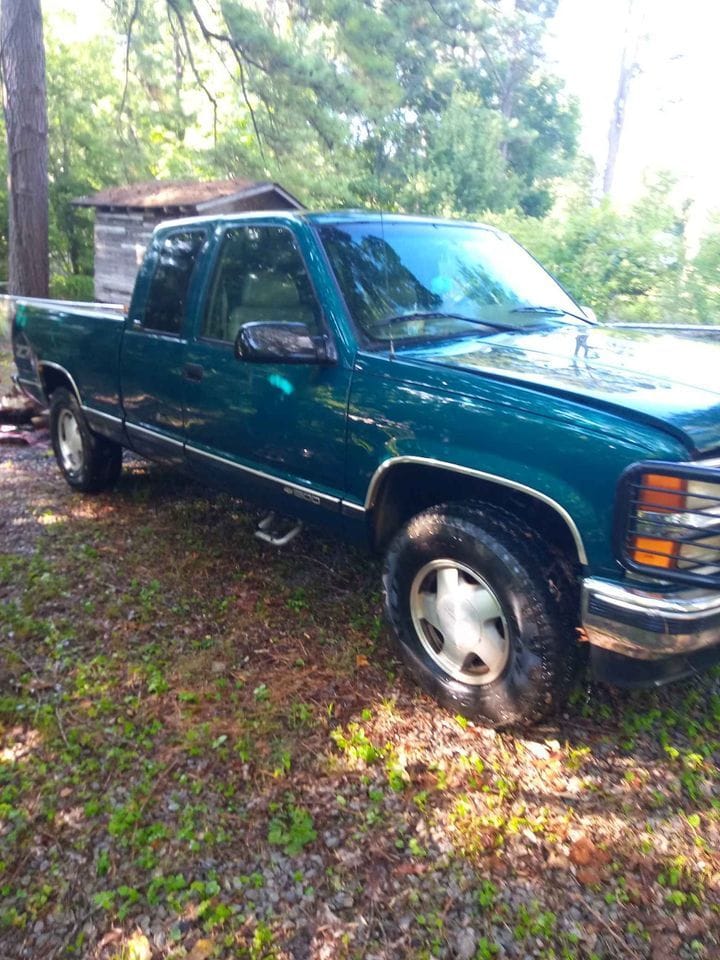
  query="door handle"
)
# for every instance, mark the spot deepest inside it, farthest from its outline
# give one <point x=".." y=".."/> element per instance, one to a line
<point x="193" y="371"/>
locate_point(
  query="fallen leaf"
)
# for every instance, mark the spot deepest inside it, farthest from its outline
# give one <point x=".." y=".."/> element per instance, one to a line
<point x="361" y="661"/>
<point x="589" y="875"/>
<point x="636" y="894"/>
<point x="555" y="862"/>
<point x="584" y="852"/>
<point x="202" y="950"/>
<point x="538" y="750"/>
<point x="112" y="936"/>
<point x="138" y="947"/>
<point x="409" y="869"/>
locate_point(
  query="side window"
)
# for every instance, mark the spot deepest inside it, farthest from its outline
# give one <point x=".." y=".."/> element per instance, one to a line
<point x="167" y="298"/>
<point x="260" y="275"/>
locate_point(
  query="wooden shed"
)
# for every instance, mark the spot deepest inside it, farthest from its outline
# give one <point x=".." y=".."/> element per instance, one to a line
<point x="125" y="218"/>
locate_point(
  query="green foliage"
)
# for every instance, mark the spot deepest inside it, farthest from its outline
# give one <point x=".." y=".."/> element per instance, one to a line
<point x="447" y="108"/>
<point x="291" y="827"/>
<point x="355" y="744"/>
<point x="704" y="274"/>
<point x="85" y="151"/>
<point x="464" y="170"/>
<point x="72" y="286"/>
<point x="486" y="894"/>
<point x="436" y="106"/>
<point x="630" y="266"/>
<point x="116" y="749"/>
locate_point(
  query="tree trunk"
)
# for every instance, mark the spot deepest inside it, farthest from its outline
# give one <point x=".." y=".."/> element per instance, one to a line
<point x="629" y="69"/>
<point x="22" y="59"/>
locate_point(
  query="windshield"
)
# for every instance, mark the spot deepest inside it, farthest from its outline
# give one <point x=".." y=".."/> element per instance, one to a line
<point x="459" y="276"/>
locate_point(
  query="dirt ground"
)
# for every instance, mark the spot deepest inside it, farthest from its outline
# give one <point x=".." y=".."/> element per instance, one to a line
<point x="208" y="749"/>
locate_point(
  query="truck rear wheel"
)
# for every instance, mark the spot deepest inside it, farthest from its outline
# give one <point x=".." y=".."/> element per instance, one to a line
<point x="483" y="621"/>
<point x="88" y="462"/>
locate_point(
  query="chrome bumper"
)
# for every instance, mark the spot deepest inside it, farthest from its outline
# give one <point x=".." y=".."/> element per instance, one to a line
<point x="649" y="625"/>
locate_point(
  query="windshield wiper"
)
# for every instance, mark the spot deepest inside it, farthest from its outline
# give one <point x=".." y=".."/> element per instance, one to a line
<point x="440" y="315"/>
<point x="553" y="311"/>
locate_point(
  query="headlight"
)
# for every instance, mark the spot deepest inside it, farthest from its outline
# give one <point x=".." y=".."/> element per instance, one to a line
<point x="672" y="520"/>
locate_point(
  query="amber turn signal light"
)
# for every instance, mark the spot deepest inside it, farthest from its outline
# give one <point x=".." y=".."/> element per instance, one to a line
<point x="661" y="494"/>
<point x="655" y="553"/>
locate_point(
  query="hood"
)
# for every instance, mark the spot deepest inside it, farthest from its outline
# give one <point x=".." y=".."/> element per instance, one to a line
<point x="655" y="375"/>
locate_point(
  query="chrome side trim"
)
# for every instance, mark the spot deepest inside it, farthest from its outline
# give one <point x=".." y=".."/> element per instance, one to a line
<point x="293" y="489"/>
<point x="100" y="413"/>
<point x="350" y="508"/>
<point x="647" y="624"/>
<point x="57" y="366"/>
<point x="30" y="388"/>
<point x="481" y="475"/>
<point x="154" y="434"/>
<point x="77" y="306"/>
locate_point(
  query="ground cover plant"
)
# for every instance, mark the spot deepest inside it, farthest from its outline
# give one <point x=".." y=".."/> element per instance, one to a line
<point x="207" y="749"/>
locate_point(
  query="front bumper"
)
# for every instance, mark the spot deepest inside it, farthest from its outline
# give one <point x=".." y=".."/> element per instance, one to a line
<point x="640" y="636"/>
<point x="647" y="624"/>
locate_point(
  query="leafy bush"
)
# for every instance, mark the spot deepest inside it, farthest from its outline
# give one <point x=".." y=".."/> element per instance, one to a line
<point x="69" y="286"/>
<point x="627" y="266"/>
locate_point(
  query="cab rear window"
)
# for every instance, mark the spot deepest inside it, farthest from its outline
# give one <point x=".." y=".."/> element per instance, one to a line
<point x="167" y="297"/>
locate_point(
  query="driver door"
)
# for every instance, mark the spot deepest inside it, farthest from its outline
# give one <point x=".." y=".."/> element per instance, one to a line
<point x="278" y="428"/>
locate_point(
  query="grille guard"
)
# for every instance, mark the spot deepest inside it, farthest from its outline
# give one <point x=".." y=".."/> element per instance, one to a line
<point x="627" y="517"/>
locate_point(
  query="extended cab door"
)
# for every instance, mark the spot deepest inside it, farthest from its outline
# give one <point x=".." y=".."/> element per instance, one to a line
<point x="276" y="427"/>
<point x="152" y="364"/>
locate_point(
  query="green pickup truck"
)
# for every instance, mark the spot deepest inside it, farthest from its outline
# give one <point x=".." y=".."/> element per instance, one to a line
<point x="540" y="486"/>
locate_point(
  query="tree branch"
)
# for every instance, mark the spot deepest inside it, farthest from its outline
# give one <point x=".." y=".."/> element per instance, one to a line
<point x="172" y="4"/>
<point x="211" y="36"/>
<point x="128" y="42"/>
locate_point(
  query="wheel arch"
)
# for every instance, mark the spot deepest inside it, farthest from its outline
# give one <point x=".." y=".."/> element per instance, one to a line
<point x="53" y="375"/>
<point x="403" y="486"/>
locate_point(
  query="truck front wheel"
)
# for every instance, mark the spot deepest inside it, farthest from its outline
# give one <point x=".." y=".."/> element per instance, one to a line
<point x="484" y="622"/>
<point x="88" y="462"/>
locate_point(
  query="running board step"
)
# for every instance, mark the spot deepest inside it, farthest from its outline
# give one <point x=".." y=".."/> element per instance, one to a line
<point x="274" y="530"/>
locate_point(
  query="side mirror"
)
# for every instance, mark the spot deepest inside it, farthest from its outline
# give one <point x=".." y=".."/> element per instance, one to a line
<point x="273" y="341"/>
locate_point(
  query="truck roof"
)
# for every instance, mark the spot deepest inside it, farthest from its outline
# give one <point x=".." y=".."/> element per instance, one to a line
<point x="319" y="217"/>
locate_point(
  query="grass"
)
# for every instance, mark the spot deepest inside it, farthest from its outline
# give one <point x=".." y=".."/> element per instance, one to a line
<point x="210" y="744"/>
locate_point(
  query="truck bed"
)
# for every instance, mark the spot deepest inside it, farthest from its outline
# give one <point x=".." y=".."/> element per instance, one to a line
<point x="79" y="339"/>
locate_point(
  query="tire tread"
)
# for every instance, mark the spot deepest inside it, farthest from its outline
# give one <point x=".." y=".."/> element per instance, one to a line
<point x="550" y="605"/>
<point x="103" y="457"/>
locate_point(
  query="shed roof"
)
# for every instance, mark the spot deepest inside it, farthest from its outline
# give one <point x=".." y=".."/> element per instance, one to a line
<point x="161" y="194"/>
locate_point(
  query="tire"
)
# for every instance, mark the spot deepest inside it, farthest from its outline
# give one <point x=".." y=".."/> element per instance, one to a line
<point x="90" y="463"/>
<point x="502" y="649"/>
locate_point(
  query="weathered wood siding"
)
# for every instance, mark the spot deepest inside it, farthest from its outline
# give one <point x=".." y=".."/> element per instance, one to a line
<point x="120" y="243"/>
<point x="121" y="238"/>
